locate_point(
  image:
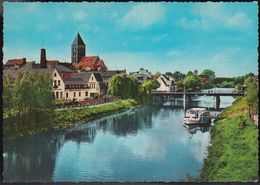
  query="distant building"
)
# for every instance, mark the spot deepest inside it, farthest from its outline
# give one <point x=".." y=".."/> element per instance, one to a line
<point x="107" y="75"/>
<point x="167" y="83"/>
<point x="78" y="49"/>
<point x="177" y="76"/>
<point x="15" y="63"/>
<point x="142" y="75"/>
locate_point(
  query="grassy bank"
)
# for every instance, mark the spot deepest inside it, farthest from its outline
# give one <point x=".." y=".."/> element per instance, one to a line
<point x="31" y="124"/>
<point x="233" y="154"/>
<point x="66" y="118"/>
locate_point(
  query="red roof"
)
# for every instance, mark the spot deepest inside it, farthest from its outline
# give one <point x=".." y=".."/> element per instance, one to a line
<point x="16" y="62"/>
<point x="92" y="62"/>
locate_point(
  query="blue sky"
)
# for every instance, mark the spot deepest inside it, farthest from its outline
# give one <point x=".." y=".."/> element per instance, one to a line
<point x="157" y="36"/>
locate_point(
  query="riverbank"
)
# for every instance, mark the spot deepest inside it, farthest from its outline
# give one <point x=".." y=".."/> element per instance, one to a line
<point x="59" y="119"/>
<point x="233" y="153"/>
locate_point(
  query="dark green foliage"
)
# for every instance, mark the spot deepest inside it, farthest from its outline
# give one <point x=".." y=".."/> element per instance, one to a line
<point x="252" y="95"/>
<point x="27" y="93"/>
<point x="26" y="99"/>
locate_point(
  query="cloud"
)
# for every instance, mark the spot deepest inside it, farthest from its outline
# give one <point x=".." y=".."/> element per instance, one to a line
<point x="143" y="16"/>
<point x="174" y="53"/>
<point x="79" y="15"/>
<point x="209" y="16"/>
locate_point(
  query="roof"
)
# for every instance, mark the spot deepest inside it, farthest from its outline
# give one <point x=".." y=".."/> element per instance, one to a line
<point x="52" y="62"/>
<point x="142" y="73"/>
<point x="32" y="67"/>
<point x="110" y="73"/>
<point x="91" y="62"/>
<point x="16" y="62"/>
<point x="98" y="77"/>
<point x="84" y="76"/>
<point x="78" y="40"/>
<point x="164" y="82"/>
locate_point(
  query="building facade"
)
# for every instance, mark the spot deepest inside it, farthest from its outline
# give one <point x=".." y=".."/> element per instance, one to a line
<point x="167" y="83"/>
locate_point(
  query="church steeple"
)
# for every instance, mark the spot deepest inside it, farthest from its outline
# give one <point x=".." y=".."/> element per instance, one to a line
<point x="78" y="49"/>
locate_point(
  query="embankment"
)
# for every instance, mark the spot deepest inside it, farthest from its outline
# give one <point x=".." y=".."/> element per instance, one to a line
<point x="233" y="153"/>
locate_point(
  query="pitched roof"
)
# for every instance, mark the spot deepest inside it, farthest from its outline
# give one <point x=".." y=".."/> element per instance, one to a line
<point x="16" y="62"/>
<point x="91" y="62"/>
<point x="98" y="77"/>
<point x="78" y="40"/>
<point x="110" y="73"/>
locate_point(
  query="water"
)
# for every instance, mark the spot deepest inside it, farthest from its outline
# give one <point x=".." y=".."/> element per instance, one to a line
<point x="148" y="143"/>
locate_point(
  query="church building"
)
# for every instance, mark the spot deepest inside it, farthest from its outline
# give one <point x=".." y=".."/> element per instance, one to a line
<point x="78" y="49"/>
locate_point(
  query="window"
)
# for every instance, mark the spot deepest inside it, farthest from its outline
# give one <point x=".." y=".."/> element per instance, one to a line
<point x="94" y="85"/>
<point x="92" y="78"/>
<point x="55" y="83"/>
<point x="86" y="93"/>
<point x="67" y="95"/>
<point x="74" y="94"/>
<point x="58" y="82"/>
<point x="57" y="95"/>
<point x="54" y="75"/>
<point x="79" y="94"/>
<point x="61" y="95"/>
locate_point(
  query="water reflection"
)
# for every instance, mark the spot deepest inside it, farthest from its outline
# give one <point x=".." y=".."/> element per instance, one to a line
<point x="147" y="143"/>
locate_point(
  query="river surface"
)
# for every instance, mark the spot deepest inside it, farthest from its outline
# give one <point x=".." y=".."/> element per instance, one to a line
<point x="148" y="143"/>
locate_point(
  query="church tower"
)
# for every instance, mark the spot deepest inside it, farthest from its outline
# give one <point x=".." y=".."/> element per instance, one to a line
<point x="78" y="49"/>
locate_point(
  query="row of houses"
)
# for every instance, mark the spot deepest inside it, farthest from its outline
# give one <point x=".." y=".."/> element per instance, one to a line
<point x="68" y="83"/>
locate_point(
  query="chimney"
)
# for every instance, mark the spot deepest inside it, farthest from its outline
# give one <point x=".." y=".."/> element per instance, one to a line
<point x="43" y="59"/>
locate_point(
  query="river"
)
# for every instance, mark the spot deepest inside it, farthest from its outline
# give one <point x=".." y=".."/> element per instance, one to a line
<point x="148" y="143"/>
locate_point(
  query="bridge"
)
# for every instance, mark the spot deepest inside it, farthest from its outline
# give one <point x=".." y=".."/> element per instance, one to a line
<point x="215" y="93"/>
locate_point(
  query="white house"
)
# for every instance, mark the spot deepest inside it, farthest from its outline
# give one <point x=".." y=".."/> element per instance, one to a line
<point x="167" y="83"/>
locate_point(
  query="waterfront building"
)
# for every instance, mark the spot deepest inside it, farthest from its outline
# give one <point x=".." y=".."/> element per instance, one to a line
<point x="142" y="75"/>
<point x="167" y="83"/>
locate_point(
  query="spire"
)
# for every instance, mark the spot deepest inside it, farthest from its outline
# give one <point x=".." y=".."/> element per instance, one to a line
<point x="78" y="40"/>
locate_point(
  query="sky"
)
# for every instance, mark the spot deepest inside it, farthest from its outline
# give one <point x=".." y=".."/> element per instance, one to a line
<point x="175" y="36"/>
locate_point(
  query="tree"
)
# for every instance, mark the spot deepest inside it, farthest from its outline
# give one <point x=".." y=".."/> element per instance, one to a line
<point x="157" y="74"/>
<point x="209" y="73"/>
<point x="252" y="96"/>
<point x="195" y="72"/>
<point x="124" y="86"/>
<point x="189" y="73"/>
<point x="192" y="82"/>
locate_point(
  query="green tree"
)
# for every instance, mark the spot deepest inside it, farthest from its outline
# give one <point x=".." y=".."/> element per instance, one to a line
<point x="124" y="86"/>
<point x="252" y="95"/>
<point x="192" y="82"/>
<point x="209" y="73"/>
<point x="156" y="75"/>
<point x="189" y="73"/>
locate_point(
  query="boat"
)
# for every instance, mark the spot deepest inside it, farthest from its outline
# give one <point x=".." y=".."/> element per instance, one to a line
<point x="197" y="116"/>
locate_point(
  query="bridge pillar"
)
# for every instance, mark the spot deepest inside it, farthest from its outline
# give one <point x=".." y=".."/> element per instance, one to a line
<point x="217" y="102"/>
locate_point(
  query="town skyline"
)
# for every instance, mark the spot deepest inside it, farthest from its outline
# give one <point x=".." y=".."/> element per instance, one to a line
<point x="229" y="43"/>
